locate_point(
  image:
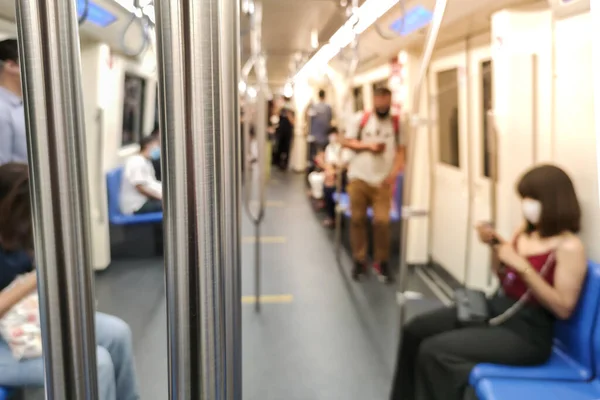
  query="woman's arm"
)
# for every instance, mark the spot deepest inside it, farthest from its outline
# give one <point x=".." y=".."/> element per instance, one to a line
<point x="569" y="275"/>
<point x="14" y="293"/>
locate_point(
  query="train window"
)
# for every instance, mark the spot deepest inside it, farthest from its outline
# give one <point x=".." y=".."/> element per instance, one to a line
<point x="358" y="99"/>
<point x="448" y="126"/>
<point x="133" y="109"/>
<point x="486" y="100"/>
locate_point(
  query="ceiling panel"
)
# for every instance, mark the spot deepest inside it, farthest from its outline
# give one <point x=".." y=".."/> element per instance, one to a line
<point x="286" y="30"/>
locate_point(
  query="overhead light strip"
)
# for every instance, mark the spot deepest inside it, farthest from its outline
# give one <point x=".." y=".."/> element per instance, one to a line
<point x="359" y="22"/>
<point x="413" y="20"/>
<point x="96" y="15"/>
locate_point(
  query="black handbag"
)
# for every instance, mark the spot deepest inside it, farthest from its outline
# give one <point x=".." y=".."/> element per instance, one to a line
<point x="472" y="306"/>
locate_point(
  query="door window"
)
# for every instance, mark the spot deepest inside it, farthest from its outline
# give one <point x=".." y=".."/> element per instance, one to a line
<point x="448" y="124"/>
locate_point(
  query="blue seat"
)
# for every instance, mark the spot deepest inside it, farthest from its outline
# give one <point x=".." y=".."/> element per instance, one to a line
<point x="5" y="393"/>
<point x="574" y="336"/>
<point x="571" y="358"/>
<point x="115" y="216"/>
<point x="525" y="389"/>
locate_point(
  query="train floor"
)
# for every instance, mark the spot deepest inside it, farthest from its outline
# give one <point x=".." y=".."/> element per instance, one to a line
<point x="319" y="335"/>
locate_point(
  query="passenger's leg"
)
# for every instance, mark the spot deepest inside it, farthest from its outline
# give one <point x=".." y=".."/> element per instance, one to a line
<point x="30" y="372"/>
<point x="381" y="227"/>
<point x="114" y="335"/>
<point x="359" y="201"/>
<point x="316" y="180"/>
<point x="413" y="333"/>
<point x="150" y="206"/>
<point x="330" y="202"/>
<point x="24" y="373"/>
<point x="445" y="361"/>
<point x="107" y="389"/>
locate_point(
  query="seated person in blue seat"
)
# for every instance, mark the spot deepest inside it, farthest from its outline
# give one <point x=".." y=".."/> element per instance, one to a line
<point x="141" y="192"/>
<point x="116" y="374"/>
<point x="436" y="355"/>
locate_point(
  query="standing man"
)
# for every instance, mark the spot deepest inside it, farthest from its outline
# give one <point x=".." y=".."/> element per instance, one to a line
<point x="284" y="134"/>
<point x="13" y="141"/>
<point x="320" y="122"/>
<point x="372" y="172"/>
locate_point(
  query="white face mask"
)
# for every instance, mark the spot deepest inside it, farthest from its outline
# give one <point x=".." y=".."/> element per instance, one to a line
<point x="532" y="210"/>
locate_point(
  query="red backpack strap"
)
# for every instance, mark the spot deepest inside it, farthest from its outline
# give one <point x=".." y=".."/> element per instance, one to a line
<point x="396" y="123"/>
<point x="363" y="123"/>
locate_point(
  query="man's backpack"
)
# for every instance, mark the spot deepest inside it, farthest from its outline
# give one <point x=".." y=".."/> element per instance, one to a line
<point x="365" y="120"/>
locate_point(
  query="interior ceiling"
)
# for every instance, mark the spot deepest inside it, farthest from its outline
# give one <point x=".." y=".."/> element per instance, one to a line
<point x="287" y="25"/>
<point x="286" y="31"/>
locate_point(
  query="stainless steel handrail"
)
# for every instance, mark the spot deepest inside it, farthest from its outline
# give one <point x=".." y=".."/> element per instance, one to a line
<point x="100" y="166"/>
<point x="198" y="159"/>
<point x="407" y="211"/>
<point x="54" y="116"/>
<point x="256" y="63"/>
<point x="340" y="167"/>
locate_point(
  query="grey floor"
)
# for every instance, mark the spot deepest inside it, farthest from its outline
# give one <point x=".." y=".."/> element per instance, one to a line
<point x="335" y="340"/>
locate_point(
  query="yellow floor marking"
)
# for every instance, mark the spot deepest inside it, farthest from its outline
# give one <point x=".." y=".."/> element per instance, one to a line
<point x="271" y="299"/>
<point x="265" y="239"/>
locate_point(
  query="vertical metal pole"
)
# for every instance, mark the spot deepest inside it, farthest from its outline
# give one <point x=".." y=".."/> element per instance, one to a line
<point x="51" y="74"/>
<point x="231" y="144"/>
<point x="407" y="213"/>
<point x="261" y="142"/>
<point x="470" y="162"/>
<point x="493" y="143"/>
<point x="340" y="168"/>
<point x="192" y="77"/>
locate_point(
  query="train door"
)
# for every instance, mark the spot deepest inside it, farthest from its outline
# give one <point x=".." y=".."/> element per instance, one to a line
<point x="480" y="104"/>
<point x="450" y="202"/>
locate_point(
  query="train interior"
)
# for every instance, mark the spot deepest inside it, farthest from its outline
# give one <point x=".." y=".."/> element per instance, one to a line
<point x="511" y="84"/>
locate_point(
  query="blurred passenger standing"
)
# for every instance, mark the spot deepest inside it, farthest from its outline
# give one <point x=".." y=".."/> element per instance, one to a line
<point x="320" y="122"/>
<point x="372" y="173"/>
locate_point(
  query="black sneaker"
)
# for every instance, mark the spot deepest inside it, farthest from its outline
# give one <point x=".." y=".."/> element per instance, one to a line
<point x="384" y="272"/>
<point x="358" y="270"/>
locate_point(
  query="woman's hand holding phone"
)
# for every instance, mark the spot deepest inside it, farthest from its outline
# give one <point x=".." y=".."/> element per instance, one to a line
<point x="487" y="234"/>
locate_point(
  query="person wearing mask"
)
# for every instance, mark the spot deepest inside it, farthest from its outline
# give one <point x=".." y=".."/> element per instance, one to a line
<point x="115" y="363"/>
<point x="544" y="259"/>
<point x="141" y="192"/>
<point x="13" y="141"/>
<point x="320" y="122"/>
<point x="156" y="161"/>
<point x="323" y="183"/>
<point x="372" y="173"/>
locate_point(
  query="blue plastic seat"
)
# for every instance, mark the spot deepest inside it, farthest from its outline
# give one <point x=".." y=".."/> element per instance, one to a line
<point x="5" y="393"/>
<point x="515" y="389"/>
<point x="572" y="358"/>
<point x="115" y="216"/>
<point x="578" y="339"/>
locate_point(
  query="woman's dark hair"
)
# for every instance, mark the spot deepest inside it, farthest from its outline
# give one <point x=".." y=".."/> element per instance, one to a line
<point x="552" y="187"/>
<point x="16" y="231"/>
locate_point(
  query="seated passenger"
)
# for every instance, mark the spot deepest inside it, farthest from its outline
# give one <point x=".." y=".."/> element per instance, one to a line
<point x="116" y="374"/>
<point x="140" y="191"/>
<point x="156" y="160"/>
<point x="335" y="160"/>
<point x="372" y="173"/>
<point x="436" y="355"/>
<point x="316" y="178"/>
